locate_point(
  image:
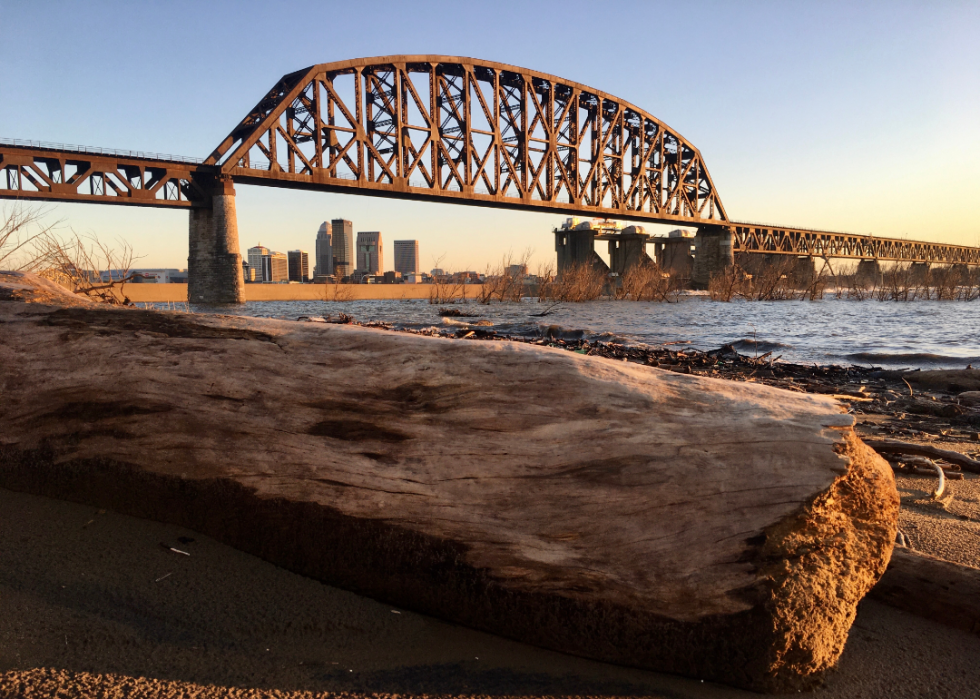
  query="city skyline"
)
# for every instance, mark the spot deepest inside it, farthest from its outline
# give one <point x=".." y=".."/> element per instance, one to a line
<point x="827" y="136"/>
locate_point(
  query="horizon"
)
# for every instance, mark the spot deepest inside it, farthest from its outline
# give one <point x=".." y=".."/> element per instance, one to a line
<point x="831" y="117"/>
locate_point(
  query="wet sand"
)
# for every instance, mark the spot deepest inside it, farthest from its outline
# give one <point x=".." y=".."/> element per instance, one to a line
<point x="96" y="604"/>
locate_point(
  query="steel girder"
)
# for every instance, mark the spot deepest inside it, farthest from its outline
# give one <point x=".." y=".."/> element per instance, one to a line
<point x="94" y="175"/>
<point x="455" y="129"/>
<point x="773" y="240"/>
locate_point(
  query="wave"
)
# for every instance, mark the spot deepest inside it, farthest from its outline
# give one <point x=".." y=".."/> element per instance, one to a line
<point x="910" y="358"/>
<point x="759" y="345"/>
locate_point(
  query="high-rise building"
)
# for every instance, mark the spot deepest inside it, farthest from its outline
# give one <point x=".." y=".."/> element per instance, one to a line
<point x="407" y="256"/>
<point x="299" y="265"/>
<point x="369" y="255"/>
<point x="343" y="247"/>
<point x="278" y="267"/>
<point x="323" y="262"/>
<point x="256" y="261"/>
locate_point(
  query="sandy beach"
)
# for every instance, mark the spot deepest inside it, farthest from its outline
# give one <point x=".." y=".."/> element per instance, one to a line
<point x="94" y="603"/>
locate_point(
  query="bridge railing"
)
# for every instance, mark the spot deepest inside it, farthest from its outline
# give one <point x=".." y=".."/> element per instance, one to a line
<point x="92" y="150"/>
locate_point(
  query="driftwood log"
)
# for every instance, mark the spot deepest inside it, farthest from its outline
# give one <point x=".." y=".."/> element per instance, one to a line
<point x="714" y="529"/>
<point x="894" y="446"/>
<point x="930" y="587"/>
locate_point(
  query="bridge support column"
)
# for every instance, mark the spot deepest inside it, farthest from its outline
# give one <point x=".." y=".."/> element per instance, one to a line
<point x="214" y="263"/>
<point x="576" y="248"/>
<point x="674" y="256"/>
<point x="869" y="270"/>
<point x="804" y="272"/>
<point x="627" y="251"/>
<point x="713" y="254"/>
<point x="919" y="271"/>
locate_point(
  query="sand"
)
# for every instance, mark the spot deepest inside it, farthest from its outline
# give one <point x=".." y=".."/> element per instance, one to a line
<point x="96" y="604"/>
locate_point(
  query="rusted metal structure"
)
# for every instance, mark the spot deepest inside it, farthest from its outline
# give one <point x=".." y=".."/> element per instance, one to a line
<point x="434" y="128"/>
<point x="57" y="172"/>
<point x="800" y="242"/>
<point x="466" y="131"/>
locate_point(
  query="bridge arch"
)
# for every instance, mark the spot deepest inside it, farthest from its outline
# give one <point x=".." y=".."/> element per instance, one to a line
<point x="447" y="128"/>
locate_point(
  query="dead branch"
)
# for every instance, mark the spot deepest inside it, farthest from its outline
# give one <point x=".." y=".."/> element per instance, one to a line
<point x="894" y="446"/>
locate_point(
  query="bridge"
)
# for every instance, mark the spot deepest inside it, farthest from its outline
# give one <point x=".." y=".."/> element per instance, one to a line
<point x="432" y="128"/>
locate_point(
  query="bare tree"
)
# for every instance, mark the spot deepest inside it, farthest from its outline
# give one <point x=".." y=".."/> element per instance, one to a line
<point x="21" y="229"/>
<point x="77" y="264"/>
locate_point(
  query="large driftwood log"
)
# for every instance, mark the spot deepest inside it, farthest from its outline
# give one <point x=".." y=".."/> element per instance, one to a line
<point x="932" y="588"/>
<point x="715" y="529"/>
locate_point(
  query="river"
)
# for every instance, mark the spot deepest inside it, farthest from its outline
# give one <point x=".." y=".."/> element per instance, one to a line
<point x="923" y="334"/>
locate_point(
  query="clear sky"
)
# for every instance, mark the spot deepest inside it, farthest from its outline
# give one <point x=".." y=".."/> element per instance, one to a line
<point x="862" y="117"/>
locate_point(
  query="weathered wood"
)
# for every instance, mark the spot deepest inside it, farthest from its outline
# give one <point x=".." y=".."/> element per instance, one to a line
<point x="895" y="446"/>
<point x="716" y="529"/>
<point x="930" y="587"/>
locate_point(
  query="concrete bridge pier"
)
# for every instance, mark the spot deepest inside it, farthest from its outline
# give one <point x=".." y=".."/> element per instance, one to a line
<point x="214" y="262"/>
<point x="713" y="254"/>
<point x="919" y="272"/>
<point x="869" y="271"/>
<point x="628" y="250"/>
<point x="674" y="256"/>
<point x="576" y="247"/>
<point x="804" y="272"/>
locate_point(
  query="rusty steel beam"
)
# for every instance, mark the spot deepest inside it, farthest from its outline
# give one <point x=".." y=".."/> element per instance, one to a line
<point x="46" y="173"/>
<point x="776" y="240"/>
<point x="460" y="130"/>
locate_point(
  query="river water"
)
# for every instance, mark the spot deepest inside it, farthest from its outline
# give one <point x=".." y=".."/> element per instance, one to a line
<point x="925" y="334"/>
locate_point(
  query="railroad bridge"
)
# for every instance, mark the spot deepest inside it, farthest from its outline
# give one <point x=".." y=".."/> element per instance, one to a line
<point x="434" y="128"/>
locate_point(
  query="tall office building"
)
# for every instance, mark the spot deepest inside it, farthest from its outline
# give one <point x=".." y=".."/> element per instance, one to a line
<point x="299" y="265"/>
<point x="323" y="262"/>
<point x="257" y="257"/>
<point x="278" y="267"/>
<point x="369" y="254"/>
<point x="343" y="247"/>
<point x="407" y="256"/>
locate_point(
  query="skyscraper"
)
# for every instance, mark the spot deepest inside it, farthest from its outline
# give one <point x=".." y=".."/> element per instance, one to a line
<point x="299" y="265"/>
<point x="278" y="267"/>
<point x="407" y="256"/>
<point x="369" y="254"/>
<point x="343" y="247"/>
<point x="323" y="262"/>
<point x="256" y="261"/>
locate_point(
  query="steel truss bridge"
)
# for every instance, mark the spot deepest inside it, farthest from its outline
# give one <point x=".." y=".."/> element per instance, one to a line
<point x="445" y="129"/>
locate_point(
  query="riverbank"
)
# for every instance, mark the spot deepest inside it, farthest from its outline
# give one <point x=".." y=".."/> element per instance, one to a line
<point x="177" y="293"/>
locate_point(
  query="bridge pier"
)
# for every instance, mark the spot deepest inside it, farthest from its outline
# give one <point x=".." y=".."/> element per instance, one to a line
<point x="804" y="272"/>
<point x="713" y="254"/>
<point x="869" y="270"/>
<point x="674" y="256"/>
<point x="628" y="250"/>
<point x="214" y="262"/>
<point x="575" y="247"/>
<point x="919" y="272"/>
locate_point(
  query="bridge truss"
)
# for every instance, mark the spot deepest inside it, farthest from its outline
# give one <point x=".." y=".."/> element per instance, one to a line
<point x="54" y="172"/>
<point x="774" y="240"/>
<point x="456" y="129"/>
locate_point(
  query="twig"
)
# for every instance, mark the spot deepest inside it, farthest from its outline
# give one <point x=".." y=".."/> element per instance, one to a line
<point x="909" y="385"/>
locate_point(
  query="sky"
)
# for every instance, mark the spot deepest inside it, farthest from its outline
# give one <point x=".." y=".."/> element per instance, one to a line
<point x="858" y="117"/>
